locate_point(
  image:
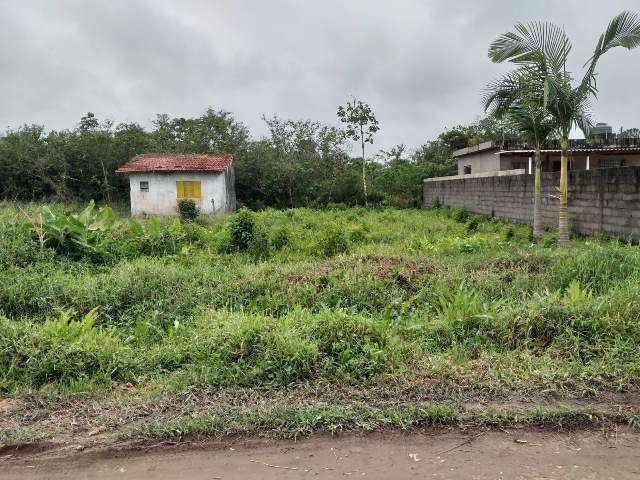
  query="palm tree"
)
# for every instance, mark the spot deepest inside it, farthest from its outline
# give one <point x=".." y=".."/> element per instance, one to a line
<point x="545" y="47"/>
<point x="517" y="98"/>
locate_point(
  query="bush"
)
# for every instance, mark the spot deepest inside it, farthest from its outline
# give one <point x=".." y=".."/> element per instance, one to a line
<point x="242" y="230"/>
<point x="333" y="241"/>
<point x="336" y="206"/>
<point x="63" y="350"/>
<point x="259" y="246"/>
<point x="548" y="240"/>
<point x="280" y="238"/>
<point x="188" y="209"/>
<point x="359" y="234"/>
<point x="244" y="235"/>
<point x="19" y="247"/>
<point x="155" y="238"/>
<point x="459" y="214"/>
<point x="474" y="223"/>
<point x="508" y="234"/>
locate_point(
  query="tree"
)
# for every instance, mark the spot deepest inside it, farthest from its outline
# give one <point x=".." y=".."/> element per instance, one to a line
<point x="519" y="98"/>
<point x="544" y="47"/>
<point x="361" y="125"/>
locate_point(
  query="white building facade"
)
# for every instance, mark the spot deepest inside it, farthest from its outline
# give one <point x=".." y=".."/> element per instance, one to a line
<point x="158" y="181"/>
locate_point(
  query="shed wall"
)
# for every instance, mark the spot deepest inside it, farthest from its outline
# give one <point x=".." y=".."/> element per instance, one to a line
<point x="162" y="197"/>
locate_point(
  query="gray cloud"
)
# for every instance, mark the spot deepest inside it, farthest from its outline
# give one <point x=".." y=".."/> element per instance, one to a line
<point x="421" y="64"/>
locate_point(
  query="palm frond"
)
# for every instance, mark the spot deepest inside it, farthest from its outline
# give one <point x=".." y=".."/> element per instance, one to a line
<point x="583" y="117"/>
<point x="523" y="83"/>
<point x="500" y="93"/>
<point x="533" y="122"/>
<point x="623" y="31"/>
<point x="541" y="43"/>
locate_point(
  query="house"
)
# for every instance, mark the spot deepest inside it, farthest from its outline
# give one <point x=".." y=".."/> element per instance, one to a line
<point x="158" y="180"/>
<point x="604" y="150"/>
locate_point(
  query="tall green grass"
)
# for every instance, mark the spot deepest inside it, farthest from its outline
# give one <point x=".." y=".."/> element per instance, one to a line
<point x="279" y="298"/>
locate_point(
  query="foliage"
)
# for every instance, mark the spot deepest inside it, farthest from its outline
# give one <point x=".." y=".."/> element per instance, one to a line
<point x="76" y="233"/>
<point x="299" y="163"/>
<point x="188" y="209"/>
<point x="242" y="230"/>
<point x="541" y="87"/>
<point x="354" y="297"/>
<point x="361" y="124"/>
<point x="281" y="238"/>
<point x="332" y="240"/>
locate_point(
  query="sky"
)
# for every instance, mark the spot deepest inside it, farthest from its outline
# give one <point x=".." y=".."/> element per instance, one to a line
<point x="421" y="65"/>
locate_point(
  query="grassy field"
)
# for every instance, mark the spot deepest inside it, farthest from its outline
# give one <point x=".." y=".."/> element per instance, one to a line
<point x="288" y="322"/>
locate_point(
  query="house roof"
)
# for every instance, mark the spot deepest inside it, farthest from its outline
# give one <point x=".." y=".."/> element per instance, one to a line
<point x="603" y="150"/>
<point x="482" y="147"/>
<point x="171" y="162"/>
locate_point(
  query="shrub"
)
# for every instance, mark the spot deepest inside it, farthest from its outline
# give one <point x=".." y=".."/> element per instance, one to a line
<point x="473" y="223"/>
<point x="359" y="234"/>
<point x="19" y="247"/>
<point x="462" y="317"/>
<point x="336" y="206"/>
<point x="62" y="350"/>
<point x="280" y="238"/>
<point x="459" y="214"/>
<point x="242" y="230"/>
<point x="188" y="209"/>
<point x="155" y="238"/>
<point x="259" y="246"/>
<point x="508" y="234"/>
<point x="548" y="240"/>
<point x="244" y="235"/>
<point x="332" y="241"/>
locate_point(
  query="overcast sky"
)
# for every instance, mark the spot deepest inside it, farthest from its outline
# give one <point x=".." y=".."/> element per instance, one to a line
<point x="420" y="64"/>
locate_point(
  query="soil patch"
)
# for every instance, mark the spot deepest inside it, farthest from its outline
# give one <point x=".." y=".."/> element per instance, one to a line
<point x="521" y="453"/>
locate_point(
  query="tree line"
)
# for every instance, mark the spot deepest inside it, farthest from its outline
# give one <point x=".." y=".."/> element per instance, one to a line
<point x="298" y="163"/>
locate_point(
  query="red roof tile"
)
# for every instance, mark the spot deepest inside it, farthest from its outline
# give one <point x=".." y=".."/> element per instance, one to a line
<point x="171" y="162"/>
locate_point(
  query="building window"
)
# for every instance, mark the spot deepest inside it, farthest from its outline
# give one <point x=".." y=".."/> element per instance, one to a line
<point x="611" y="162"/>
<point x="466" y="169"/>
<point x="519" y="164"/>
<point x="144" y="186"/>
<point x="189" y="189"/>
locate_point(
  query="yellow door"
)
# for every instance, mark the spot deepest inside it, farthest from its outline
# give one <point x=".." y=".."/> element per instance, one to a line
<point x="189" y="189"/>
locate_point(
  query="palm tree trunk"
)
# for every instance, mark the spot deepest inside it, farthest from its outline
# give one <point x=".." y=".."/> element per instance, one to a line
<point x="537" y="187"/>
<point x="563" y="216"/>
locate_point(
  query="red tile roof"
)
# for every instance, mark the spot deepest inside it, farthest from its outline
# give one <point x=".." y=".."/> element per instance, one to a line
<point x="171" y="162"/>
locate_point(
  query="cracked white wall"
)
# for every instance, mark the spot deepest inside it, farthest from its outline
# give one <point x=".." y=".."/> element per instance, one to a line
<point x="162" y="197"/>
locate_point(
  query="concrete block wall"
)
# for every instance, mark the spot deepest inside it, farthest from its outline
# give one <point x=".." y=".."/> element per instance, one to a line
<point x="601" y="201"/>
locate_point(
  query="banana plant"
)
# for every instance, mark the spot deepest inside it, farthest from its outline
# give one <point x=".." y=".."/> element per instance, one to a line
<point x="75" y="233"/>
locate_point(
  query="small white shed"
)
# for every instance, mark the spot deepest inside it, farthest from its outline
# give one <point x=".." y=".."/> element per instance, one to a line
<point x="158" y="180"/>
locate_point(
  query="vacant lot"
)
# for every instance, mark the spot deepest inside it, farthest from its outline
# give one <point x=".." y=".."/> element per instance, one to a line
<point x="289" y="322"/>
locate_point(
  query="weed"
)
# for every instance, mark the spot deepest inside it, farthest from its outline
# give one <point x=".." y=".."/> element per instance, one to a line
<point x="332" y="241"/>
<point x="188" y="210"/>
<point x="338" y="298"/>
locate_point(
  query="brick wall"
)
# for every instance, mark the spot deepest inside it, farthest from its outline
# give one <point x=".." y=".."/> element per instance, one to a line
<point x="601" y="201"/>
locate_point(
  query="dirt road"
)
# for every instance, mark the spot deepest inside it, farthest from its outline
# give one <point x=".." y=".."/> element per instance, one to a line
<point x="513" y="454"/>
